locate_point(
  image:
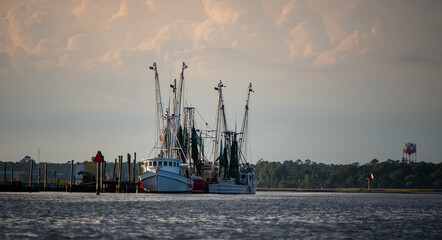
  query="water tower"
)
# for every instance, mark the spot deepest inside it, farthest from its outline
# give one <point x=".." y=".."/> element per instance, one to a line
<point x="409" y="152"/>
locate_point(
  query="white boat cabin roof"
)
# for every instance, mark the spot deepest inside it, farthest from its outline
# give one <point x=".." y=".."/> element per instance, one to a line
<point x="163" y="162"/>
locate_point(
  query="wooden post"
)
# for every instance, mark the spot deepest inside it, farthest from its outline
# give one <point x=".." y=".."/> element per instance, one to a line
<point x="38" y="179"/>
<point x="55" y="176"/>
<point x="46" y="177"/>
<point x="128" y="173"/>
<point x="30" y="175"/>
<point x="72" y="176"/>
<point x="115" y="165"/>
<point x="368" y="185"/>
<point x="97" y="180"/>
<point x="12" y="179"/>
<point x="120" y="173"/>
<point x="139" y="181"/>
<point x="103" y="175"/>
<point x="120" y="162"/>
<point x="134" y="185"/>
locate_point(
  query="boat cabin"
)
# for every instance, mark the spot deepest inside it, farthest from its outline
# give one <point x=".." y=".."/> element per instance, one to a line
<point x="166" y="164"/>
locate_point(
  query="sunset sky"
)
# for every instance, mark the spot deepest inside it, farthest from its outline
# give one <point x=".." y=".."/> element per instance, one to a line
<point x="335" y="81"/>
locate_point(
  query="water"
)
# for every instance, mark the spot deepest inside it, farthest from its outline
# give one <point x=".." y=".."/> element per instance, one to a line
<point x="266" y="215"/>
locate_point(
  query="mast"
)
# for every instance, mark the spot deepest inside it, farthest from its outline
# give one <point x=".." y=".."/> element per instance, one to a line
<point x="159" y="110"/>
<point x="217" y="131"/>
<point x="173" y="129"/>
<point x="178" y="98"/>
<point x="180" y="91"/>
<point x="245" y="125"/>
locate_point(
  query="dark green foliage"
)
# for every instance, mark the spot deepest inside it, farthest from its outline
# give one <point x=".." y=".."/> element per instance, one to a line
<point x="311" y="175"/>
<point x="195" y="156"/>
<point x="182" y="139"/>
<point x="234" y="165"/>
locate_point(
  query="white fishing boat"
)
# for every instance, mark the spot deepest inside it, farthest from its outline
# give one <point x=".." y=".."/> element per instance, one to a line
<point x="167" y="172"/>
<point x="165" y="175"/>
<point x="234" y="175"/>
<point x="230" y="186"/>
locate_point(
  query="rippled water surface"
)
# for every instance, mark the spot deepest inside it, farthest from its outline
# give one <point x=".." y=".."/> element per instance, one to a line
<point x="266" y="215"/>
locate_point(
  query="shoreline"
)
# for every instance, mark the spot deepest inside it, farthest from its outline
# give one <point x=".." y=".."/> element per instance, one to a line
<point x="352" y="190"/>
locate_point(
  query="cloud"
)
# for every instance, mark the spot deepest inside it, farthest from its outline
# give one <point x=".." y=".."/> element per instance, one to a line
<point x="121" y="12"/>
<point x="220" y="12"/>
<point x="354" y="43"/>
<point x="112" y="57"/>
<point x="77" y="11"/>
<point x="285" y="11"/>
<point x="325" y="34"/>
<point x="196" y="35"/>
<point x="76" y="42"/>
<point x="151" y="4"/>
<point x="26" y="27"/>
<point x="299" y="43"/>
<point x="176" y="32"/>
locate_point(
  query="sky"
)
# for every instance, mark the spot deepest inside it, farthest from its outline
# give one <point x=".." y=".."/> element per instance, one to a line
<point x="335" y="81"/>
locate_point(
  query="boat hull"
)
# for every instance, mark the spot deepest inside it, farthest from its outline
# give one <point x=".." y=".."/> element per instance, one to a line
<point x="230" y="187"/>
<point x="200" y="185"/>
<point x="165" y="181"/>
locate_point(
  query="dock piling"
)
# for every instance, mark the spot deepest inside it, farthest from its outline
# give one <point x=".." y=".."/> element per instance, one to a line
<point x="115" y="165"/>
<point x="120" y="164"/>
<point x="128" y="172"/>
<point x="30" y="175"/>
<point x="97" y="180"/>
<point x="46" y="177"/>
<point x="103" y="175"/>
<point x="38" y="178"/>
<point x="72" y="176"/>
<point x="134" y="172"/>
<point x="138" y="174"/>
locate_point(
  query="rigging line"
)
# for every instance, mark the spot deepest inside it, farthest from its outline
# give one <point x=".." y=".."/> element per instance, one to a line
<point x="249" y="133"/>
<point x="170" y="82"/>
<point x="148" y="156"/>
<point x="207" y="124"/>
<point x="180" y="148"/>
<point x="242" y="157"/>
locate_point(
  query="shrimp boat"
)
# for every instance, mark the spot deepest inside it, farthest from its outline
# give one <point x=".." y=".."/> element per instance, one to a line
<point x="167" y="172"/>
<point x="233" y="175"/>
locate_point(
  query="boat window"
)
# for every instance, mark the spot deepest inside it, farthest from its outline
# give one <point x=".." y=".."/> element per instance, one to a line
<point x="160" y="163"/>
<point x="174" y="164"/>
<point x="170" y="164"/>
<point x="165" y="163"/>
<point x="150" y="163"/>
<point x="154" y="163"/>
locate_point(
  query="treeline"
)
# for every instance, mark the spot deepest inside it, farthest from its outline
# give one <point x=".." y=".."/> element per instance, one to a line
<point x="310" y="175"/>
